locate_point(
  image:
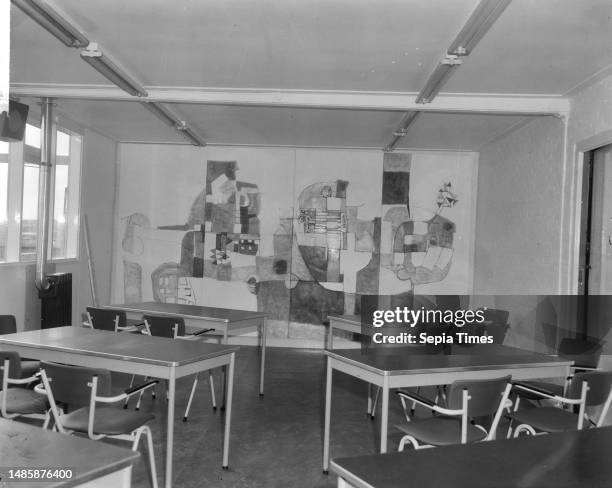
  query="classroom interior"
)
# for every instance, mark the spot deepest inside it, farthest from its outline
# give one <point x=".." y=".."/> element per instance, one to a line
<point x="294" y="157"/>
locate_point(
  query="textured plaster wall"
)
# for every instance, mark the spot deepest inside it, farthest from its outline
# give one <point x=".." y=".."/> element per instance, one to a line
<point x="591" y="112"/>
<point x="527" y="208"/>
<point x="519" y="210"/>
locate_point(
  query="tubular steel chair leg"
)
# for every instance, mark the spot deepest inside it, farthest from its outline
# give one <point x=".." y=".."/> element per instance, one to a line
<point x="211" y="382"/>
<point x="374" y="403"/>
<point x="140" y="395"/>
<point x="151" y="457"/>
<point x="191" y="395"/>
<point x="127" y="400"/>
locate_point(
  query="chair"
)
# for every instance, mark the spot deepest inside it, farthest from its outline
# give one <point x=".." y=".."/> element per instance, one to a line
<point x="174" y="328"/>
<point x="20" y="402"/>
<point x="585" y="354"/>
<point x="584" y="390"/>
<point x="496" y="324"/>
<point x="8" y="325"/>
<point x="83" y="389"/>
<point x="466" y="401"/>
<point x="110" y="319"/>
<point x="113" y="321"/>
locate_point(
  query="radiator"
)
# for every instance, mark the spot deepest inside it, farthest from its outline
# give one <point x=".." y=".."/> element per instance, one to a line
<point x="56" y="301"/>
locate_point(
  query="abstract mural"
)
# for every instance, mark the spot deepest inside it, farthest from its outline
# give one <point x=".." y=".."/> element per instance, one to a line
<point x="317" y="255"/>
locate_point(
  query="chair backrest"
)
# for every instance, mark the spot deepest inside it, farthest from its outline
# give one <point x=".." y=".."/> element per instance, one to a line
<point x="104" y="318"/>
<point x="69" y="383"/>
<point x="8" y="324"/>
<point x="583" y="352"/>
<point x="599" y="382"/>
<point x="496" y="315"/>
<point x="14" y="369"/>
<point x="485" y="395"/>
<point x="497" y="324"/>
<point x="164" y="326"/>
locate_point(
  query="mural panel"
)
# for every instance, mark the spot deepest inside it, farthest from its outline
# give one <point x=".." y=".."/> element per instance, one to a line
<point x="306" y="238"/>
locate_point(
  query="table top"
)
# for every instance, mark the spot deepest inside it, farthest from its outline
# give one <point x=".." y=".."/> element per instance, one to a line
<point x="212" y="314"/>
<point x="411" y="360"/>
<point x="574" y="459"/>
<point x="347" y="319"/>
<point x="29" y="446"/>
<point x="116" y="345"/>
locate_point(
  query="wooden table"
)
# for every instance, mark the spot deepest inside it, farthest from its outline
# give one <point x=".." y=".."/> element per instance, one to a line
<point x="158" y="357"/>
<point x="398" y="367"/>
<point x="226" y="320"/>
<point x="92" y="463"/>
<point x="574" y="459"/>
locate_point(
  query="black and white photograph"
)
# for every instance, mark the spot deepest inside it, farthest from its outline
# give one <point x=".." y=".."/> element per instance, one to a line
<point x="306" y="243"/>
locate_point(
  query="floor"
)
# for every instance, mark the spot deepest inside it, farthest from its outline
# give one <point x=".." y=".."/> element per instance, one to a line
<point x="277" y="440"/>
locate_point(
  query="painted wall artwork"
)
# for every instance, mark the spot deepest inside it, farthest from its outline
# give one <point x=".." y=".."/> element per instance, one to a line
<point x="305" y="234"/>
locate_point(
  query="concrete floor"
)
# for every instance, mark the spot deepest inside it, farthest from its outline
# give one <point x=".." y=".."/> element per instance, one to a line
<point x="277" y="440"/>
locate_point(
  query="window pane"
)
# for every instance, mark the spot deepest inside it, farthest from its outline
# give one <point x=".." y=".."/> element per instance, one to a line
<point x="32" y="136"/>
<point x="4" y="147"/>
<point x="63" y="144"/>
<point x="60" y="207"/>
<point x="29" y="212"/>
<point x="3" y="208"/>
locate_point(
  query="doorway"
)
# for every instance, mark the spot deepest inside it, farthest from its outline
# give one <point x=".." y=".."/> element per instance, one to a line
<point x="595" y="263"/>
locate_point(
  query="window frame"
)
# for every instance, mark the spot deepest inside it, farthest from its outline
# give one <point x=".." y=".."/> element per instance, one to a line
<point x="19" y="154"/>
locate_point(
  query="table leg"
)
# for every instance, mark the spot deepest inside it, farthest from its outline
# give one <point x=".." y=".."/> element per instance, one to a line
<point x="384" y="415"/>
<point x="370" y="412"/>
<point x="228" y="411"/>
<point x="224" y="369"/>
<point x="328" y="394"/>
<point x="263" y="331"/>
<point x="170" y="427"/>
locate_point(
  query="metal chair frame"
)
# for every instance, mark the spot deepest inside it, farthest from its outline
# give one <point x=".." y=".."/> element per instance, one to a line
<point x="462" y="413"/>
<point x="176" y="334"/>
<point x="6" y="382"/>
<point x="562" y="401"/>
<point x="134" y="436"/>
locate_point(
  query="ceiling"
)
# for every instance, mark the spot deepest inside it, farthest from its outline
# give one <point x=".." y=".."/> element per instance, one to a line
<point x="192" y="48"/>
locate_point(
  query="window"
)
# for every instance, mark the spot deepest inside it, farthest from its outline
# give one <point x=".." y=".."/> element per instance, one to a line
<point x="19" y="181"/>
<point x="4" y="163"/>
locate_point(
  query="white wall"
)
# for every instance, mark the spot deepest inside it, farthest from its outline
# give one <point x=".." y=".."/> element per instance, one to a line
<point x="98" y="191"/>
<point x="529" y="205"/>
<point x="18" y="295"/>
<point x="519" y="210"/>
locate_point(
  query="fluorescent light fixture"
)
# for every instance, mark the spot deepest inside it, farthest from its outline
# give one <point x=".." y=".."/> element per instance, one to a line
<point x="190" y="135"/>
<point x="402" y="130"/>
<point x="110" y="69"/>
<point x="162" y="113"/>
<point x="481" y="20"/>
<point x="438" y="78"/>
<point x="168" y="117"/>
<point x="48" y="18"/>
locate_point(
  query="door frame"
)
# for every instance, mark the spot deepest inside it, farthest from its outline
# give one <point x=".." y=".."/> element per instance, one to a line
<point x="570" y="285"/>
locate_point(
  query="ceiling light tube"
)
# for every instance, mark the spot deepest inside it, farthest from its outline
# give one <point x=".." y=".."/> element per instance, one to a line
<point x="162" y="113"/>
<point x="402" y="130"/>
<point x="481" y="20"/>
<point x="190" y="135"/>
<point x="49" y="19"/>
<point x="110" y="69"/>
<point x="438" y="78"/>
